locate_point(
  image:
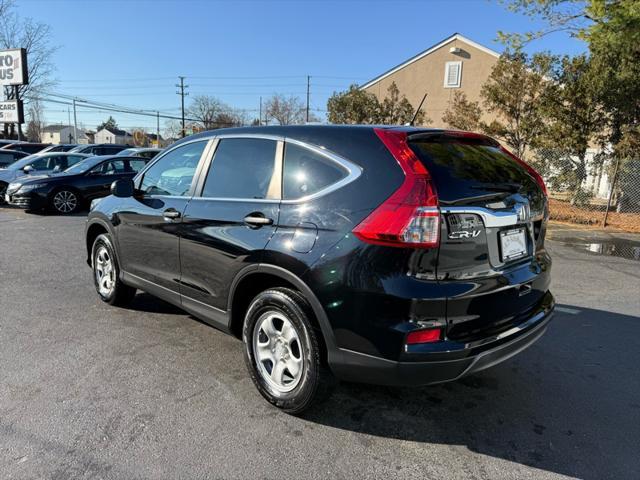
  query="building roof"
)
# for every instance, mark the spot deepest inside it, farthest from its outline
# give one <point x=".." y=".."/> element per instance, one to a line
<point x="117" y="132"/>
<point x="424" y="53"/>
<point x="55" y="128"/>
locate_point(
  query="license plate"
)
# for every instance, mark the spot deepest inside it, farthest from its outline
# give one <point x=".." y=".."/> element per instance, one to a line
<point x="7" y="198"/>
<point x="513" y="244"/>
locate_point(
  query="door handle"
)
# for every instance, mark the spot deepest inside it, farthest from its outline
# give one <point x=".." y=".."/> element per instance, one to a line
<point x="171" y="214"/>
<point x="257" y="221"/>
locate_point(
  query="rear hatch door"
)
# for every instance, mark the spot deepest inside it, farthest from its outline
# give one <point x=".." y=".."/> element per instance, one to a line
<point x="491" y="259"/>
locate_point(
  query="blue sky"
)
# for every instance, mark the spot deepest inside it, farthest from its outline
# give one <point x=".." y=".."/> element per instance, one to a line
<point x="131" y="52"/>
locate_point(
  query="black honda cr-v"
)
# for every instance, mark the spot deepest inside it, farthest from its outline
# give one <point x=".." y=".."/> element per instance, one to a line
<point x="387" y="255"/>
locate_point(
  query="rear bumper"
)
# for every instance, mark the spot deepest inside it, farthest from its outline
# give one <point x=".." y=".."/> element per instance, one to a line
<point x="446" y="366"/>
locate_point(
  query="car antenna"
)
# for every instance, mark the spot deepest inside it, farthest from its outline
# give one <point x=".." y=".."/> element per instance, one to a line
<point x="415" y="115"/>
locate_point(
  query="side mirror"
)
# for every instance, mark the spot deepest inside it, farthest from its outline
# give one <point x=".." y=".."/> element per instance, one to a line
<point x="57" y="169"/>
<point x="28" y="169"/>
<point x="122" y="188"/>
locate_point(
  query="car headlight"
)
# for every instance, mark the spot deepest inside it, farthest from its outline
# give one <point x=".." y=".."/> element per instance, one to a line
<point x="28" y="187"/>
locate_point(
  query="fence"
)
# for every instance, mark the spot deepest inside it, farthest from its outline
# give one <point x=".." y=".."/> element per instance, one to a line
<point x="599" y="190"/>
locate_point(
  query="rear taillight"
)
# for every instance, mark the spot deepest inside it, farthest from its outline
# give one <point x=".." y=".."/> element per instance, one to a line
<point x="410" y="216"/>
<point x="536" y="176"/>
<point x="424" y="336"/>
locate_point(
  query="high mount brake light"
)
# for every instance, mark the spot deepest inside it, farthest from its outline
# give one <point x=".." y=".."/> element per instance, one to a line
<point x="410" y="216"/>
<point x="536" y="176"/>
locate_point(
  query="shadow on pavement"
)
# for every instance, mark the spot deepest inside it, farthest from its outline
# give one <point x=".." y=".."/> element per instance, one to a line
<point x="144" y="302"/>
<point x="570" y="404"/>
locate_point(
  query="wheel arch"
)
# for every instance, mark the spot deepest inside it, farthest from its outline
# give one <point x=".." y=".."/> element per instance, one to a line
<point x="95" y="228"/>
<point x="256" y="278"/>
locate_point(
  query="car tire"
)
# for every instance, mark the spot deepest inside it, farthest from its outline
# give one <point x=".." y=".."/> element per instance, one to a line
<point x="3" y="190"/>
<point x="65" y="201"/>
<point x="106" y="273"/>
<point x="282" y="350"/>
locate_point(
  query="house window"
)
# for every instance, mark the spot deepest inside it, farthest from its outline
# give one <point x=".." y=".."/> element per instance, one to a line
<point x="452" y="74"/>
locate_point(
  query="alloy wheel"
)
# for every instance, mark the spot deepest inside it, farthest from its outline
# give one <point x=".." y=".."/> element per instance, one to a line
<point x="104" y="272"/>
<point x="65" y="201"/>
<point x="278" y="351"/>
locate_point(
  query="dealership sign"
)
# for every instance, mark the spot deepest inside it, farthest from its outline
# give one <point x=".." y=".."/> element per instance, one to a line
<point x="11" y="111"/>
<point x="13" y="67"/>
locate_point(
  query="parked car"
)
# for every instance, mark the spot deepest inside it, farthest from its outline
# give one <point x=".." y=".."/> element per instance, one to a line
<point x="141" y="152"/>
<point x="4" y="142"/>
<point x="7" y="157"/>
<point x="74" y="188"/>
<point x="100" y="149"/>
<point x="60" y="147"/>
<point x="37" y="164"/>
<point x="26" y="147"/>
<point x="394" y="256"/>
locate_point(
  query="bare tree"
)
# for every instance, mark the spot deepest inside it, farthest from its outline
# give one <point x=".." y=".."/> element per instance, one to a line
<point x="35" y="38"/>
<point x="172" y="129"/>
<point x="35" y="125"/>
<point x="285" y="110"/>
<point x="209" y="111"/>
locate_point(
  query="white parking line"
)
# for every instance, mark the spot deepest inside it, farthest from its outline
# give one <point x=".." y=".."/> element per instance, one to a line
<point x="570" y="311"/>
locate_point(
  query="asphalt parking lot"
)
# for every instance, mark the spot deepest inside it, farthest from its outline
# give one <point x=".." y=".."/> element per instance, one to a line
<point x="92" y="391"/>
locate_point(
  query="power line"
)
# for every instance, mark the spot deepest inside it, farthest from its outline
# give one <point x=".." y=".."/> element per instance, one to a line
<point x="109" y="109"/>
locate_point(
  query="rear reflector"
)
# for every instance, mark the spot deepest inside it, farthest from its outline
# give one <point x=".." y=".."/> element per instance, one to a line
<point x="410" y="216"/>
<point x="424" y="336"/>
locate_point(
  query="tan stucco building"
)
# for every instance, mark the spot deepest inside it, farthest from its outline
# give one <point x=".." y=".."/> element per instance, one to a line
<point x="455" y="64"/>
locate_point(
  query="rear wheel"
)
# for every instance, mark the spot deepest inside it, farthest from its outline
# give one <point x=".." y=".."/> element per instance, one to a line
<point x="65" y="201"/>
<point x="282" y="350"/>
<point x="106" y="273"/>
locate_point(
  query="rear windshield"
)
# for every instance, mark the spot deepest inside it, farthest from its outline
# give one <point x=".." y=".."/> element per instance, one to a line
<point x="464" y="168"/>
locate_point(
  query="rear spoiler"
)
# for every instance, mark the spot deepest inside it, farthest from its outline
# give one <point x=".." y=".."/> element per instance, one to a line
<point x="455" y="135"/>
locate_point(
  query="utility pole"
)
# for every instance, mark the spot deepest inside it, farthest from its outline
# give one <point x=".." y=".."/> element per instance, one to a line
<point x="75" y="122"/>
<point x="182" y="86"/>
<point x="158" y="129"/>
<point x="260" y="114"/>
<point x="17" y="94"/>
<point x="308" y="91"/>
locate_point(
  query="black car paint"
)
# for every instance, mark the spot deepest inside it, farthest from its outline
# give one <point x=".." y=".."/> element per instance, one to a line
<point x="100" y="148"/>
<point x="28" y="148"/>
<point x="365" y="297"/>
<point x="89" y="186"/>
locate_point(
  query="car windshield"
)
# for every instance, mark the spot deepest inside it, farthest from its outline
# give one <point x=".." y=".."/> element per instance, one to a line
<point x="22" y="162"/>
<point x="83" y="165"/>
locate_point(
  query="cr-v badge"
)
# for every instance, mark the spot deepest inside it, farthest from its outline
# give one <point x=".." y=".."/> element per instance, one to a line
<point x="464" y="234"/>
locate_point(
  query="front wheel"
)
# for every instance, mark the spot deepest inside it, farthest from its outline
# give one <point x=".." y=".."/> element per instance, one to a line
<point x="282" y="350"/>
<point x="3" y="191"/>
<point x="65" y="201"/>
<point x="106" y="273"/>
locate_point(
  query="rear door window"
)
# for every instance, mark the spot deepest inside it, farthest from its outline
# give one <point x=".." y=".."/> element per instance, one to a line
<point x="136" y="165"/>
<point x="73" y="159"/>
<point x="243" y="168"/>
<point x="307" y="172"/>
